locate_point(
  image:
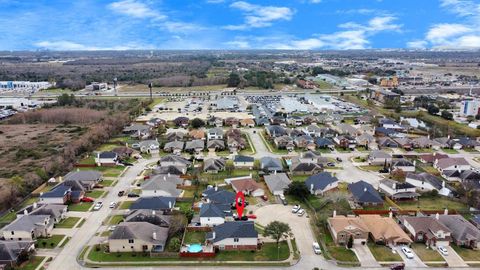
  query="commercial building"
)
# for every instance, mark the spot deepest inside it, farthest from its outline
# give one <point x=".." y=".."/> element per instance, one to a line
<point x="469" y="107"/>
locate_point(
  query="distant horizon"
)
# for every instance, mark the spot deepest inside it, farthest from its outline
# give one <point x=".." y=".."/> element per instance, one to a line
<point x="121" y="25"/>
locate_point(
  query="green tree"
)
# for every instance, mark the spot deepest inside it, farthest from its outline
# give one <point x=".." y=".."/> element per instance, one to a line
<point x="276" y="230"/>
<point x="350" y="242"/>
<point x="447" y="115"/>
<point x="197" y="123"/>
<point x="298" y="190"/>
<point x="174" y="244"/>
<point x="432" y="109"/>
<point x="233" y="80"/>
<point x="65" y="100"/>
<point x="17" y="183"/>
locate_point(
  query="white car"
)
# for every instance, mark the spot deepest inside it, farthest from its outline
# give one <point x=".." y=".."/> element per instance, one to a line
<point x="97" y="206"/>
<point x="296" y="208"/>
<point x="443" y="250"/>
<point x="408" y="252"/>
<point x="300" y="212"/>
<point x="113" y="204"/>
<point x="316" y="248"/>
<point x="282" y="197"/>
<point x="112" y="228"/>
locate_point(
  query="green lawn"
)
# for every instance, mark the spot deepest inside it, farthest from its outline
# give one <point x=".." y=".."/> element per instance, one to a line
<point x="194" y="238"/>
<point x="428" y="169"/>
<point x="107" y="147"/>
<point x="323" y="150"/>
<point x="341" y="150"/>
<point x="470" y="150"/>
<point x="98" y="255"/>
<point x="80" y="207"/>
<point x="339" y="253"/>
<point x="108" y="183"/>
<point x="66" y="241"/>
<point x="383" y="253"/>
<point x="432" y="203"/>
<point x="300" y="178"/>
<point x="360" y="159"/>
<point x="107" y="171"/>
<point x="424" y="150"/>
<point x="81" y="223"/>
<point x="7" y="218"/>
<point x="466" y="253"/>
<point x="114" y="220"/>
<point x="32" y="264"/>
<point x="184" y="205"/>
<point x="96" y="193"/>
<point x="427" y="255"/>
<point x="89" y="160"/>
<point x="269" y="252"/>
<point x="67" y="223"/>
<point x="51" y="242"/>
<point x="449" y="151"/>
<point x="125" y="205"/>
<point x="188" y="193"/>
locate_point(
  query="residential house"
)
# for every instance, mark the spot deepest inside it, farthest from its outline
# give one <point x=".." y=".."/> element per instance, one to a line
<point x="138" y="131"/>
<point x="431" y="158"/>
<point x="295" y="120"/>
<point x="195" y="146"/>
<point x="390" y="124"/>
<point x="197" y="134"/>
<point x="150" y="216"/>
<point x="247" y="122"/>
<point x="366" y="140"/>
<point x="365" y="194"/>
<point x="304" y="142"/>
<point x="405" y="143"/>
<point x="324" y="143"/>
<point x="215" y="121"/>
<point x="343" y="228"/>
<point x="398" y="191"/>
<point x="246" y="185"/>
<point x="232" y="122"/>
<point x="313" y="130"/>
<point x="379" y="157"/>
<point x="215" y="145"/>
<point x="345" y="141"/>
<point x="57" y="212"/>
<point x="320" y="183"/>
<point x="385" y="230"/>
<point x="174" y="160"/>
<point x="174" y="147"/>
<point x="275" y="131"/>
<point x="28" y="227"/>
<point x="235" y="140"/>
<point x="425" y="142"/>
<point x="284" y="142"/>
<point x="108" y="158"/>
<point x="346" y="129"/>
<point x="88" y="179"/>
<point x="214" y="214"/>
<point x="181" y="121"/>
<point x="426" y="229"/>
<point x="67" y="191"/>
<point x="427" y="182"/>
<point x="175" y="136"/>
<point x="217" y="195"/>
<point x="271" y="164"/>
<point x="468" y="143"/>
<point x="138" y="237"/>
<point x="385" y="132"/>
<point x="123" y="152"/>
<point x="162" y="185"/>
<point x="463" y="232"/>
<point x="448" y="165"/>
<point x="13" y="253"/>
<point x="298" y="167"/>
<point x="214" y="165"/>
<point x="238" y="235"/>
<point x="154" y="203"/>
<point x="403" y="164"/>
<point x="277" y="183"/>
<point x="386" y="142"/>
<point x="156" y="122"/>
<point x="240" y="161"/>
<point x="149" y="146"/>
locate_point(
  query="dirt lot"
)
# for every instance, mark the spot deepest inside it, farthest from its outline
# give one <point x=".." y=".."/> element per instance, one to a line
<point x="26" y="147"/>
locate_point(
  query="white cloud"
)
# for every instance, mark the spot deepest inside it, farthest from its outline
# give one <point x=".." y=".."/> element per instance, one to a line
<point x="238" y="44"/>
<point x="257" y="16"/>
<point x="417" y="44"/>
<point x="65" y="45"/>
<point x="135" y="9"/>
<point x="215" y="1"/>
<point x="461" y="35"/>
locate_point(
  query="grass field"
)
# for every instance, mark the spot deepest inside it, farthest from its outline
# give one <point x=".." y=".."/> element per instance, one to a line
<point x="427" y="255"/>
<point x="80" y="207"/>
<point x="432" y="203"/>
<point x="32" y="264"/>
<point x="194" y="238"/>
<point x="125" y="205"/>
<point x="97" y="193"/>
<point x="114" y="220"/>
<point x="268" y="252"/>
<point x="449" y="151"/>
<point x="383" y="253"/>
<point x="51" y="242"/>
<point x="466" y="253"/>
<point x="67" y="223"/>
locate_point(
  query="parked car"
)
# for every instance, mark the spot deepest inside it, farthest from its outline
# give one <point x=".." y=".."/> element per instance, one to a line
<point x="265" y="197"/>
<point x="251" y="216"/>
<point x="87" y="199"/>
<point x="146" y="177"/>
<point x="443" y="250"/>
<point x="408" y="252"/>
<point x="296" y="208"/>
<point x="300" y="212"/>
<point x="399" y="266"/>
<point x="112" y="228"/>
<point x="132" y="195"/>
<point x="316" y="248"/>
<point x="331" y="164"/>
<point x="339" y="159"/>
<point x="97" y="206"/>
<point x="121" y="193"/>
<point x="284" y="202"/>
<point x="98" y="186"/>
<point x="113" y="205"/>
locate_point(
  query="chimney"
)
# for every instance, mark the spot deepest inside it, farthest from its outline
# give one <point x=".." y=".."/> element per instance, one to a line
<point x="390" y="214"/>
<point x="164" y="178"/>
<point x="35" y="205"/>
<point x="311" y="188"/>
<point x="216" y="188"/>
<point x="275" y="172"/>
<point x="214" y="235"/>
<point x="437" y="216"/>
<point x="154" y="235"/>
<point x="168" y="174"/>
<point x="170" y="204"/>
<point x="334" y="213"/>
<point x="445" y="212"/>
<point x="153" y="212"/>
<point x="25" y="212"/>
<point x="414" y="163"/>
<point x="364" y="189"/>
<point x="443" y="184"/>
<point x="448" y="137"/>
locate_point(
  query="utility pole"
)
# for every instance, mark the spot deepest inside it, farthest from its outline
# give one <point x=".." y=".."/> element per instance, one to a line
<point x="115" y="86"/>
<point x="150" y="85"/>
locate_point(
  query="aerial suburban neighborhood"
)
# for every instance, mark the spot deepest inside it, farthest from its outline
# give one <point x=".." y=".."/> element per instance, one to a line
<point x="143" y="141"/>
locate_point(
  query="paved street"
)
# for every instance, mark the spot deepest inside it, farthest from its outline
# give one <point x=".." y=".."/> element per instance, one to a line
<point x="67" y="258"/>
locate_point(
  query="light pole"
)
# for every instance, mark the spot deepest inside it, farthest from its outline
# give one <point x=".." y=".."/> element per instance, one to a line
<point x="150" y="85"/>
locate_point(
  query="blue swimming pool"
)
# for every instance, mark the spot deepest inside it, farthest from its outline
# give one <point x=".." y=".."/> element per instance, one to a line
<point x="195" y="248"/>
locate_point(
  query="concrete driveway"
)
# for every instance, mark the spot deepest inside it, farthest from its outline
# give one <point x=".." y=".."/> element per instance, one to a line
<point x="365" y="256"/>
<point x="453" y="259"/>
<point x="413" y="263"/>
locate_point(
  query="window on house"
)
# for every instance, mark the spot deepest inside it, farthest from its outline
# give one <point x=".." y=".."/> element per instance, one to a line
<point x="130" y="241"/>
<point x="235" y="239"/>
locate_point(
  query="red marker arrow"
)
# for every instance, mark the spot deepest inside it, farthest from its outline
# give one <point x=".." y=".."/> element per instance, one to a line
<point x="240" y="205"/>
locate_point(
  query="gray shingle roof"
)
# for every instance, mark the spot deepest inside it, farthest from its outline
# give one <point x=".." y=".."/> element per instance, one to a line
<point x="363" y="192"/>
<point x="237" y="229"/>
<point x="27" y="223"/>
<point x="140" y="230"/>
<point x="10" y="250"/>
<point x="215" y="210"/>
<point x="154" y="203"/>
<point x="320" y="180"/>
<point x="83" y="176"/>
<point x="277" y="182"/>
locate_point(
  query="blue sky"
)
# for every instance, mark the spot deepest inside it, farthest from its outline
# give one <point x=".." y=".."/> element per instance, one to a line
<point x="249" y="24"/>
